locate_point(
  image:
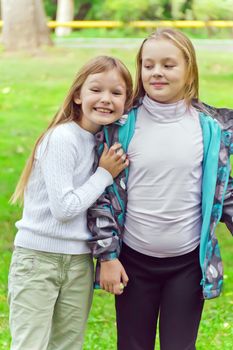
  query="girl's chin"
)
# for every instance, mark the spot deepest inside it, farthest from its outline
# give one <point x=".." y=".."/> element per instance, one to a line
<point x="164" y="100"/>
<point x="158" y="99"/>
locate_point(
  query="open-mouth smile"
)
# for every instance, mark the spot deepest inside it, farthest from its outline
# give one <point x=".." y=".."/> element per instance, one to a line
<point x="103" y="110"/>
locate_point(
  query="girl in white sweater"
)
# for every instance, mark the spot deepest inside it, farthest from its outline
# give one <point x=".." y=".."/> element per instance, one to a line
<point x="51" y="273"/>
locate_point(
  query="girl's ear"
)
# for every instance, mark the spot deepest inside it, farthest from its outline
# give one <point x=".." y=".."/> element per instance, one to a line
<point x="77" y="100"/>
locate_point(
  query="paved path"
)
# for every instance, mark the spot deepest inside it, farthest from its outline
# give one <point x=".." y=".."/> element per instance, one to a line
<point x="131" y="43"/>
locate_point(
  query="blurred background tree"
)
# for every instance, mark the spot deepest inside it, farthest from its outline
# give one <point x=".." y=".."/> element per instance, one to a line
<point x="129" y="10"/>
<point x="81" y="8"/>
<point x="25" y="20"/>
<point x="25" y="25"/>
<point x="65" y="13"/>
<point x="212" y="9"/>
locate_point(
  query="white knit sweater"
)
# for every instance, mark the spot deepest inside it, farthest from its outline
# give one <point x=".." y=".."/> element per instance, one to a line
<point x="61" y="188"/>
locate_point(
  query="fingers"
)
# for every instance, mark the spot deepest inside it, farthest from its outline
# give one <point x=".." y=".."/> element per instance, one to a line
<point x="105" y="150"/>
<point x="123" y="157"/>
<point x="114" y="149"/>
<point x="124" y="277"/>
<point x="116" y="288"/>
<point x="117" y="153"/>
<point x="122" y="164"/>
<point x="120" y="152"/>
<point x="109" y="287"/>
<point x="113" y="277"/>
<point x="126" y="163"/>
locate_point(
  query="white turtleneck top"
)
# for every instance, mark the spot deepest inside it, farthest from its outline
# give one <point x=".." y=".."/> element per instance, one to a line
<point x="163" y="216"/>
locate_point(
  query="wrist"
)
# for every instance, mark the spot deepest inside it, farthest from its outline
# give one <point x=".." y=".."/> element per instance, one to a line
<point x="108" y="257"/>
<point x="105" y="262"/>
<point x="105" y="174"/>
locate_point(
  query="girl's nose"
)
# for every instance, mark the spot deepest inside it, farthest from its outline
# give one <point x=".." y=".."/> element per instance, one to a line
<point x="157" y="72"/>
<point x="105" y="98"/>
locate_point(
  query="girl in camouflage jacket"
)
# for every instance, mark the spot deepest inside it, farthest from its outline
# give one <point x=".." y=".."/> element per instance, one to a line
<point x="175" y="295"/>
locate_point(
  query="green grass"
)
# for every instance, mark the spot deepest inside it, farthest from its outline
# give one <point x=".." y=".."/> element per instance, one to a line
<point x="31" y="90"/>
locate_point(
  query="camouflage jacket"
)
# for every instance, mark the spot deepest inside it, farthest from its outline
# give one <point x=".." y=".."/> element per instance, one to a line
<point x="106" y="216"/>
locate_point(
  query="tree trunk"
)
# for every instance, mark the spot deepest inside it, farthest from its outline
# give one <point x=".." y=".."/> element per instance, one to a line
<point x="41" y="24"/>
<point x="24" y="25"/>
<point x="65" y="13"/>
<point x="83" y="10"/>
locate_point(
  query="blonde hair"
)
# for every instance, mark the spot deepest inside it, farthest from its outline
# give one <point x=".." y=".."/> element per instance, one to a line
<point x="70" y="111"/>
<point x="191" y="89"/>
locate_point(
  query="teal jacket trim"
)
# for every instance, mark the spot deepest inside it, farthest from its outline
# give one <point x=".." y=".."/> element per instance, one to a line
<point x="211" y="146"/>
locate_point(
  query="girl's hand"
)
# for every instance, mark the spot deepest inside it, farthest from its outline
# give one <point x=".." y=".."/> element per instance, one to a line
<point x="113" y="277"/>
<point x="114" y="159"/>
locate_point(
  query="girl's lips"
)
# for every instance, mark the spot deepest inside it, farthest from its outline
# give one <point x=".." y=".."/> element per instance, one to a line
<point x="159" y="85"/>
<point x="103" y="110"/>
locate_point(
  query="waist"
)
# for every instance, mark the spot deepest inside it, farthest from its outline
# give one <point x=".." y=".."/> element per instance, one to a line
<point x="162" y="238"/>
<point x="31" y="240"/>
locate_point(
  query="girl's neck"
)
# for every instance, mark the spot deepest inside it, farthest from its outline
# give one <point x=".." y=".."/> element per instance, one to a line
<point x="90" y="128"/>
<point x="165" y="112"/>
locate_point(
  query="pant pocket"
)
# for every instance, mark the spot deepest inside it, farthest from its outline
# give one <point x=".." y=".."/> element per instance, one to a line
<point x="22" y="267"/>
<point x="21" y="264"/>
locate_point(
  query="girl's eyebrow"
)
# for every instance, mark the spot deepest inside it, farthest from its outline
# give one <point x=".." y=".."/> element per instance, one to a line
<point x="169" y="58"/>
<point x="117" y="85"/>
<point x="163" y="59"/>
<point x="95" y="80"/>
<point x="147" y="59"/>
<point x="120" y="86"/>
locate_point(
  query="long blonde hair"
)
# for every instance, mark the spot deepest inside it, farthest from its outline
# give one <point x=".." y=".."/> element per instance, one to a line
<point x="181" y="41"/>
<point x="70" y="111"/>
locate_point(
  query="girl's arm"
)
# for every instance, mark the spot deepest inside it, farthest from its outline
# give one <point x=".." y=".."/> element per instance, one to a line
<point x="59" y="161"/>
<point x="105" y="245"/>
<point x="106" y="233"/>
<point x="225" y="117"/>
<point x="105" y="220"/>
<point x="227" y="213"/>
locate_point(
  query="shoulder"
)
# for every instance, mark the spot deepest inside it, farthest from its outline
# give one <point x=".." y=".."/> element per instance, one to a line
<point x="210" y="126"/>
<point x="69" y="133"/>
<point x="222" y="116"/>
<point x="66" y="131"/>
<point x="60" y="137"/>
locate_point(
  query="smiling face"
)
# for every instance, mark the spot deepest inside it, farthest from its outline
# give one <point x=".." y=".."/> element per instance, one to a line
<point x="163" y="71"/>
<point x="102" y="99"/>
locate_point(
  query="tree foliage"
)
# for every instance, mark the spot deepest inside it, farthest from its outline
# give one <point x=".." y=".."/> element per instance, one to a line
<point x="81" y="8"/>
<point x="213" y="9"/>
<point x="50" y="7"/>
<point x="129" y="10"/>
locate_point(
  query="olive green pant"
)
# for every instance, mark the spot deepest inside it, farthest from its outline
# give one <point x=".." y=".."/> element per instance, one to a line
<point x="49" y="297"/>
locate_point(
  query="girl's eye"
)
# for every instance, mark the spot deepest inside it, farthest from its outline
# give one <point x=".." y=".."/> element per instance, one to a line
<point x="148" y="67"/>
<point x="95" y="90"/>
<point x="117" y="93"/>
<point x="169" y="66"/>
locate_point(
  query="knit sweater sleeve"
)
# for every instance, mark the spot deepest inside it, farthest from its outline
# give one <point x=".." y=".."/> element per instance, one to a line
<point x="58" y="162"/>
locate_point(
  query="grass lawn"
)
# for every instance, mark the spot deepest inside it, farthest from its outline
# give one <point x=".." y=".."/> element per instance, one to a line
<point x="31" y="89"/>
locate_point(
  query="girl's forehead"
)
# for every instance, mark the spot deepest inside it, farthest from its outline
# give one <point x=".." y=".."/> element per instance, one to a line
<point x="106" y="73"/>
<point x="108" y="76"/>
<point x="161" y="48"/>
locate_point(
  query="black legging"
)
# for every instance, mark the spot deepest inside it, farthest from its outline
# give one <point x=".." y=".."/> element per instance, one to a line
<point x="168" y="288"/>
